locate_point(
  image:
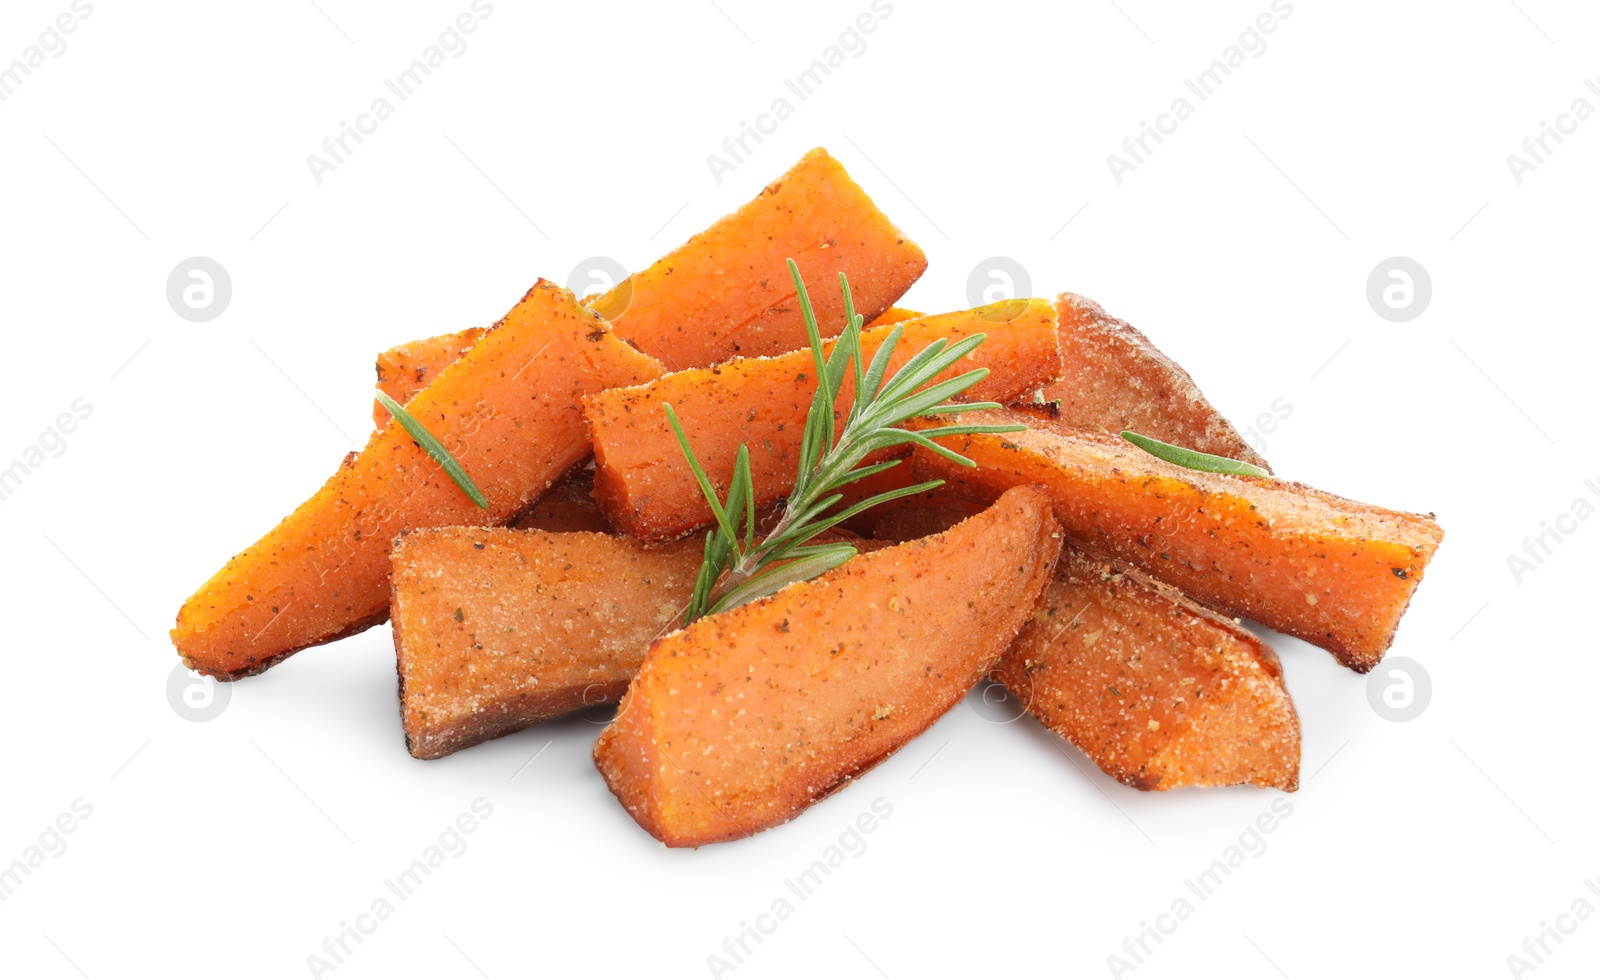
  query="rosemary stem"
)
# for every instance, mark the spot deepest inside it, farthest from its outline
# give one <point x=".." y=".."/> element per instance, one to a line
<point x="751" y="561"/>
<point x="739" y="569"/>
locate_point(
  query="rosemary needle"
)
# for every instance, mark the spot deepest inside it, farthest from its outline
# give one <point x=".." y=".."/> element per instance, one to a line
<point x="738" y="569"/>
<point x="1191" y="459"/>
<point x="433" y="447"/>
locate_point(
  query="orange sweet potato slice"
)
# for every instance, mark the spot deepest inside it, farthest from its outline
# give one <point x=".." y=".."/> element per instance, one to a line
<point x="1333" y="572"/>
<point x="727" y="290"/>
<point x="1159" y="691"/>
<point x="496" y="629"/>
<point x="893" y="315"/>
<point x="407" y="369"/>
<point x="509" y="412"/>
<point x="646" y="488"/>
<point x="1113" y="378"/>
<point x="746" y="718"/>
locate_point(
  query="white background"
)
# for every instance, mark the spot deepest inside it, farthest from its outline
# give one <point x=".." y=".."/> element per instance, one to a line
<point x="1242" y="247"/>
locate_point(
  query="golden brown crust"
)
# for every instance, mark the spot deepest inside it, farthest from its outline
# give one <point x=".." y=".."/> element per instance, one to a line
<point x="647" y="489"/>
<point x="497" y="629"/>
<point x="727" y="292"/>
<point x="748" y="717"/>
<point x="507" y="410"/>
<point x="406" y="369"/>
<point x="1160" y="692"/>
<point x="1113" y="378"/>
<point x="1333" y="572"/>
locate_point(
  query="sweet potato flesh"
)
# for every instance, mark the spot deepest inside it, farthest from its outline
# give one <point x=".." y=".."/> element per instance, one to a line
<point x="1113" y="378"/>
<point x="893" y="315"/>
<point x="407" y="369"/>
<point x="644" y="484"/>
<point x="727" y="290"/>
<point x="747" y="717"/>
<point x="1333" y="572"/>
<point x="1158" y="691"/>
<point x="508" y="410"/>
<point x="497" y="629"/>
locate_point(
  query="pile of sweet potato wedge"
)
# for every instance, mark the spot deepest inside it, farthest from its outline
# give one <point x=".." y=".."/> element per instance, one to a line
<point x="1099" y="583"/>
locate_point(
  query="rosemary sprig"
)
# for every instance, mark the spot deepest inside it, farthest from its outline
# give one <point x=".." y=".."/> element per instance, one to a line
<point x="434" y="448"/>
<point x="736" y="568"/>
<point x="1191" y="459"/>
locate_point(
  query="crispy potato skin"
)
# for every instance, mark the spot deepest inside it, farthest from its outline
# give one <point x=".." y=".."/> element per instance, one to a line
<point x="507" y="409"/>
<point x="497" y="629"/>
<point x="645" y="486"/>
<point x="407" y="369"/>
<point x="744" y="719"/>
<point x="1113" y="378"/>
<point x="1335" y="573"/>
<point x="727" y="292"/>
<point x="1159" y="691"/>
<point x="891" y="316"/>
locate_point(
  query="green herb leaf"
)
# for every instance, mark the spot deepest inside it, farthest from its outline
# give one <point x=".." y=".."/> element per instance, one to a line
<point x="1191" y="459"/>
<point x="774" y="577"/>
<point x="433" y="447"/>
<point x="736" y="568"/>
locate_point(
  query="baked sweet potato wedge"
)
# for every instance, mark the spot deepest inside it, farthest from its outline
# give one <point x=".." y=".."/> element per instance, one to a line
<point x="407" y="369"/>
<point x="893" y="315"/>
<point x="1159" y="691"/>
<point x="747" y="717"/>
<point x="508" y="410"/>
<point x="1335" y="573"/>
<point x="727" y="291"/>
<point x="1113" y="378"/>
<point x="497" y="629"/>
<point x="645" y="486"/>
